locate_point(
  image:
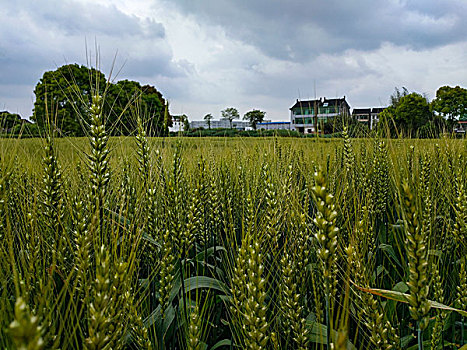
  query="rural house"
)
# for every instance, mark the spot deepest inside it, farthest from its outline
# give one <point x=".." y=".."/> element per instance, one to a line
<point x="369" y="116"/>
<point x="303" y="113"/>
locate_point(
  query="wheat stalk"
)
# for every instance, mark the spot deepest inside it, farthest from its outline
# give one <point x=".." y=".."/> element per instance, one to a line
<point x="418" y="265"/>
<point x="326" y="236"/>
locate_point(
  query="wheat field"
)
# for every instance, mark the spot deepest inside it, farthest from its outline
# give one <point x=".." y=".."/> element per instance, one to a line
<point x="230" y="243"/>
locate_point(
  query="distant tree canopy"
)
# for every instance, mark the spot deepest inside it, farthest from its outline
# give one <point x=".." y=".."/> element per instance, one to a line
<point x="450" y="103"/>
<point x="412" y="112"/>
<point x="230" y="114"/>
<point x="208" y="118"/>
<point x="407" y="114"/>
<point x="254" y="117"/>
<point x="9" y="120"/>
<point x="63" y="98"/>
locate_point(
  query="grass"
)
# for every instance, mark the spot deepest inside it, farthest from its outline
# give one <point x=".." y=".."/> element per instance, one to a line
<point x="216" y="243"/>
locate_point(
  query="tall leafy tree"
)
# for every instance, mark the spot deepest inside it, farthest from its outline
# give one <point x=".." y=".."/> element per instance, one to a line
<point x="412" y="112"/>
<point x="407" y="113"/>
<point x="208" y="118"/>
<point x="254" y="117"/>
<point x="63" y="98"/>
<point x="64" y="95"/>
<point x="451" y="103"/>
<point x="397" y="95"/>
<point x="9" y="120"/>
<point x="128" y="98"/>
<point x="230" y="114"/>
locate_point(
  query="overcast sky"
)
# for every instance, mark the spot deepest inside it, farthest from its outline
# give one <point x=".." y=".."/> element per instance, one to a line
<point x="206" y="55"/>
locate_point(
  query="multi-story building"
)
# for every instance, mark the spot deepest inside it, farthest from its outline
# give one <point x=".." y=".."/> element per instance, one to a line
<point x="303" y="113"/>
<point x="363" y="115"/>
<point x="178" y="123"/>
<point x="375" y="111"/>
<point x="369" y="116"/>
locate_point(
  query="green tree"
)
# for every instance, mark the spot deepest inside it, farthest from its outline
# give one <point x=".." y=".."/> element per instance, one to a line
<point x="186" y="122"/>
<point x="398" y="95"/>
<point x="26" y="129"/>
<point x="157" y="109"/>
<point x="412" y="112"/>
<point x="208" y="118"/>
<point x="127" y="99"/>
<point x="63" y="98"/>
<point x="387" y="122"/>
<point x="9" y="120"/>
<point x="230" y="114"/>
<point x="406" y="114"/>
<point x="254" y="117"/>
<point x="450" y="103"/>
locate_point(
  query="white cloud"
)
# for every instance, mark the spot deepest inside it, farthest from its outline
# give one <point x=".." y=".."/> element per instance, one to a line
<point x="206" y="56"/>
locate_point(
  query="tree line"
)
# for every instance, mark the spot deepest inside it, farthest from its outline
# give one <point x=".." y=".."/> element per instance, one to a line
<point x="63" y="99"/>
<point x="411" y="114"/>
<point x="254" y="116"/>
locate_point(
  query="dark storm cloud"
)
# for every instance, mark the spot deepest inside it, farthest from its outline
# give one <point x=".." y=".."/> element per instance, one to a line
<point x="207" y="54"/>
<point x="72" y="17"/>
<point x="42" y="35"/>
<point x="37" y="36"/>
<point x="78" y="18"/>
<point x="299" y="29"/>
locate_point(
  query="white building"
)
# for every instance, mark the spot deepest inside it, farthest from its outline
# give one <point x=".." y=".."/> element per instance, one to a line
<point x="222" y="123"/>
<point x="178" y="123"/>
<point x="303" y="113"/>
<point x="273" y="125"/>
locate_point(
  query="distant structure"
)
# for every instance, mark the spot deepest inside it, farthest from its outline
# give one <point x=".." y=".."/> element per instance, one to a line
<point x="222" y="123"/>
<point x="461" y="125"/>
<point x="178" y="123"/>
<point x="368" y="116"/>
<point x="269" y="125"/>
<point x="303" y="113"/>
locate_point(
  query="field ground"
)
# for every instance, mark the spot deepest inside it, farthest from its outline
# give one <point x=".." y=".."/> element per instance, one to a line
<point x="255" y="243"/>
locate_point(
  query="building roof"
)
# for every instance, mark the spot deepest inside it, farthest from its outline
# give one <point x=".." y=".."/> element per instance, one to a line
<point x="305" y="103"/>
<point x="361" y="111"/>
<point x="377" y="109"/>
<point x="320" y="103"/>
<point x="335" y="101"/>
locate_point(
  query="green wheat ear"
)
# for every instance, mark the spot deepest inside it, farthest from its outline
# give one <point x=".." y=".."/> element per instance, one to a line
<point x="438" y="295"/>
<point x="52" y="203"/>
<point x="98" y="158"/>
<point x="461" y="300"/>
<point x="143" y="152"/>
<point x="326" y="235"/>
<point x="418" y="265"/>
<point x="25" y="330"/>
<point x="325" y="221"/>
<point x="290" y="304"/>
